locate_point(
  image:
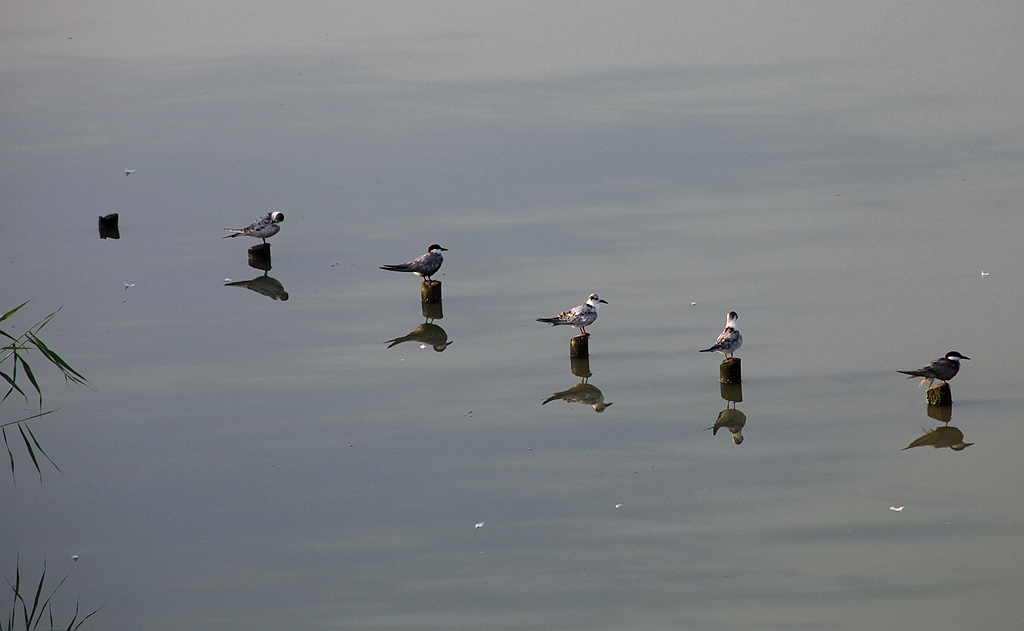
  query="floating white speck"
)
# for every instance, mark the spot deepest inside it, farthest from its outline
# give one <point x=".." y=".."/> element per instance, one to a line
<point x="128" y="172"/>
<point x="128" y="285"/>
<point x="692" y="304"/>
<point x="74" y="557"/>
<point x="984" y="273"/>
<point x="479" y="525"/>
<point x="618" y="506"/>
<point x="423" y="346"/>
<point x="227" y="280"/>
<point x="896" y="508"/>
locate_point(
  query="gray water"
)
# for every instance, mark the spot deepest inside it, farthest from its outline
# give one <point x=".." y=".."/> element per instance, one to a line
<point x="841" y="176"/>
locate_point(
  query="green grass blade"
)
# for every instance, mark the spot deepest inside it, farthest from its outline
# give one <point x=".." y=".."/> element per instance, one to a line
<point x="14" y="386"/>
<point x="12" y="311"/>
<point x="40" y="449"/>
<point x="39" y="325"/>
<point x="35" y="601"/>
<point x="31" y="452"/>
<point x="30" y="375"/>
<point x="29" y="418"/>
<point x="10" y="454"/>
<point x="56" y="360"/>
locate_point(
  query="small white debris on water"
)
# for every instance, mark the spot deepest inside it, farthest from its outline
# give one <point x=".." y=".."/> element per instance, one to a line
<point x="128" y="285"/>
<point x="984" y="273"/>
<point x="74" y="557"/>
<point x="618" y="506"/>
<point x="479" y="525"/>
<point x="128" y="172"/>
<point x="692" y="304"/>
<point x="896" y="508"/>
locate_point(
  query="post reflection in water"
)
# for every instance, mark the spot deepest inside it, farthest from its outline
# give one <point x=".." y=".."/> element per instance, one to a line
<point x="730" y="418"/>
<point x="943" y="436"/>
<point x="266" y="285"/>
<point x="428" y="333"/>
<point x="583" y="392"/>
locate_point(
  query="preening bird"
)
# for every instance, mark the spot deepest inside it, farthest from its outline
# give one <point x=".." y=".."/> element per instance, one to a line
<point x="263" y="228"/>
<point x="730" y="340"/>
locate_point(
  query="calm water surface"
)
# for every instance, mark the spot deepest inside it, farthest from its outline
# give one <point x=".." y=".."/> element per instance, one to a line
<point x="840" y="177"/>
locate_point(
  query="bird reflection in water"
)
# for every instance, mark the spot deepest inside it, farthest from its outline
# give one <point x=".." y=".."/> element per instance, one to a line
<point x="428" y="333"/>
<point x="944" y="436"/>
<point x="730" y="418"/>
<point x="583" y="392"/>
<point x="264" y="285"/>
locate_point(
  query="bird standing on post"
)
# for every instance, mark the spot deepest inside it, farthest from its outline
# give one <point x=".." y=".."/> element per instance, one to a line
<point x="730" y="340"/>
<point x="943" y="368"/>
<point x="263" y="228"/>
<point x="580" y="317"/>
<point x="423" y="266"/>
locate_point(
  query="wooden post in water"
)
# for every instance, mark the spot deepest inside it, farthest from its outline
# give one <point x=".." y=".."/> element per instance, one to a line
<point x="729" y="371"/>
<point x="579" y="346"/>
<point x="939" y="395"/>
<point x="108" y="227"/>
<point x="430" y="292"/>
<point x="259" y="257"/>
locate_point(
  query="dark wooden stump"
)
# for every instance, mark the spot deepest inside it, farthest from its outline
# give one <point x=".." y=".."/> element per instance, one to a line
<point x="729" y="371"/>
<point x="108" y="227"/>
<point x="579" y="346"/>
<point x="939" y="395"/>
<point x="259" y="257"/>
<point x="430" y="292"/>
<point x="260" y="251"/>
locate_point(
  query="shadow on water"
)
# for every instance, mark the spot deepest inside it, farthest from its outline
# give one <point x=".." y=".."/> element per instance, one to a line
<point x="583" y="392"/>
